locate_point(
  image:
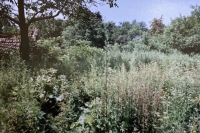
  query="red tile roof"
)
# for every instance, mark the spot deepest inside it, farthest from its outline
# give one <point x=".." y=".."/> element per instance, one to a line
<point x="12" y="41"/>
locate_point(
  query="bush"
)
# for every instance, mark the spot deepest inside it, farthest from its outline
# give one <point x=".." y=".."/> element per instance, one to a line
<point x="79" y="59"/>
<point x="47" y="51"/>
<point x="158" y="43"/>
<point x="29" y="100"/>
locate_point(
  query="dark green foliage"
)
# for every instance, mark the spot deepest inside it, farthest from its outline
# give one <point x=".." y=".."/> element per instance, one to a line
<point x="15" y="102"/>
<point x="49" y="28"/>
<point x="29" y="101"/>
<point x="7" y="26"/>
<point x="71" y="61"/>
<point x="80" y="58"/>
<point x="46" y="52"/>
<point x="125" y="32"/>
<point x="89" y="28"/>
<point x="110" y="32"/>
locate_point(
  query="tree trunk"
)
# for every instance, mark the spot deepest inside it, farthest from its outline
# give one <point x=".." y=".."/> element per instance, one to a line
<point x="24" y="46"/>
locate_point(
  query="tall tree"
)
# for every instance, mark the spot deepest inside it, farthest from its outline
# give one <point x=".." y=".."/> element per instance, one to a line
<point x="89" y="28"/>
<point x="125" y="32"/>
<point x="50" y="27"/>
<point x="157" y="26"/>
<point x="26" y="12"/>
<point x="110" y="31"/>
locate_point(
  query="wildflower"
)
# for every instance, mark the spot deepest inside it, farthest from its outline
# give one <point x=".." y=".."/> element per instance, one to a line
<point x="194" y="131"/>
<point x="196" y="98"/>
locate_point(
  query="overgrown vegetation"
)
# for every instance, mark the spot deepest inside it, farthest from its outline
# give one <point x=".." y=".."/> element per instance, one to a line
<point x="138" y="82"/>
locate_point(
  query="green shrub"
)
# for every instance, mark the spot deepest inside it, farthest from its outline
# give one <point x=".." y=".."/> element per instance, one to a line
<point x="79" y="59"/>
<point x="158" y="43"/>
<point x="26" y="97"/>
<point x="18" y="108"/>
<point x="47" y="51"/>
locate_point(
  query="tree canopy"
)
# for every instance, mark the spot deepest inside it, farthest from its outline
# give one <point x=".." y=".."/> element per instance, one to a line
<point x="50" y="27"/>
<point x="90" y="29"/>
<point x="157" y="26"/>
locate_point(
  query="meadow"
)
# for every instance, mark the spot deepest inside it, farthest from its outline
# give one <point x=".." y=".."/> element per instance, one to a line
<point x="95" y="90"/>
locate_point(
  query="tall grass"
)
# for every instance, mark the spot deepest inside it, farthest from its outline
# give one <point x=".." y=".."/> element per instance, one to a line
<point x="158" y="93"/>
<point x="121" y="91"/>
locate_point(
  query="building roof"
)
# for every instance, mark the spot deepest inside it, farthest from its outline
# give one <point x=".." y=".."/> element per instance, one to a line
<point x="12" y="41"/>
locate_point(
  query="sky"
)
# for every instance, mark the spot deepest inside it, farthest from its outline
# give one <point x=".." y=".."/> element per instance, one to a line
<point x="146" y="10"/>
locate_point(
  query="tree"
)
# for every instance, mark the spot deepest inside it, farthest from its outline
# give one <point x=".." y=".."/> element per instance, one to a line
<point x="26" y="12"/>
<point x="89" y="29"/>
<point x="50" y="28"/>
<point x="184" y="33"/>
<point x="110" y="32"/>
<point x="157" y="26"/>
<point x="124" y="32"/>
<point x="196" y="12"/>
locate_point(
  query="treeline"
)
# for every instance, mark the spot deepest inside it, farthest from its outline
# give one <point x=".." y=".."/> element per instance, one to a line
<point x="92" y="29"/>
<point x="182" y="34"/>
